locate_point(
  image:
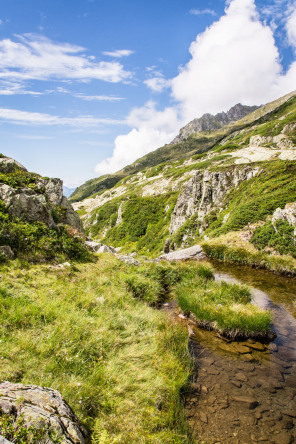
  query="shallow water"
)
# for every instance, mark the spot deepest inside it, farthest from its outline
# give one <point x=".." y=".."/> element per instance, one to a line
<point x="245" y="392"/>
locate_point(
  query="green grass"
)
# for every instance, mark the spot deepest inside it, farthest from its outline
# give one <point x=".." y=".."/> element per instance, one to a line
<point x="226" y="306"/>
<point x="280" y="237"/>
<point x="225" y="251"/>
<point x="118" y="362"/>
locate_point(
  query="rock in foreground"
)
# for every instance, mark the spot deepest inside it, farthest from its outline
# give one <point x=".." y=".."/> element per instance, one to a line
<point x="43" y="408"/>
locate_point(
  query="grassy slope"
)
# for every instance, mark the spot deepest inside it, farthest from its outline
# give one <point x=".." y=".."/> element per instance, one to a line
<point x="118" y="362"/>
<point x="196" y="144"/>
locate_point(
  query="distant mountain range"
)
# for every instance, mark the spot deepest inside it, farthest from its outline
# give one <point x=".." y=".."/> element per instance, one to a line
<point x="68" y="191"/>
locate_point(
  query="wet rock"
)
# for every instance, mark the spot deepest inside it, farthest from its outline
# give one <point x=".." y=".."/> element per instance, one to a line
<point x="283" y="438"/>
<point x="42" y="408"/>
<point x="236" y="383"/>
<point x="251" y="402"/>
<point x="287" y="424"/>
<point x="289" y="412"/>
<point x="241" y="377"/>
<point x="273" y="347"/>
<point x="256" y="346"/>
<point x="203" y="417"/>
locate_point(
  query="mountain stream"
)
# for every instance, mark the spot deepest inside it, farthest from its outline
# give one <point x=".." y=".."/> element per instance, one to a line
<point x="245" y="392"/>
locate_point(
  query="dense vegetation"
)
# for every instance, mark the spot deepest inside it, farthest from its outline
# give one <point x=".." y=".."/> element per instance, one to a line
<point x="36" y="241"/>
<point x="145" y="222"/>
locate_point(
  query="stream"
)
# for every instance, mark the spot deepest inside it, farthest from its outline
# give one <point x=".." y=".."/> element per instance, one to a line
<point x="245" y="392"/>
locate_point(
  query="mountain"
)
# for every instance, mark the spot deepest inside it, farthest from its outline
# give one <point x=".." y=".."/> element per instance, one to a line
<point x="196" y="143"/>
<point x="208" y="122"/>
<point x="233" y="181"/>
<point x="68" y="191"/>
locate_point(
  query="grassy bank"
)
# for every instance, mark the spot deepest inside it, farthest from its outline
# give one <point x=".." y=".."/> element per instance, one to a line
<point x="223" y="307"/>
<point x="231" y="248"/>
<point x="87" y="332"/>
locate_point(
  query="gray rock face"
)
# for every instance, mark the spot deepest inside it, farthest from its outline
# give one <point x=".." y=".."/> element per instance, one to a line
<point x="4" y="441"/>
<point x="8" y="165"/>
<point x="42" y="408"/>
<point x="195" y="252"/>
<point x="287" y="214"/>
<point x="30" y="205"/>
<point x="208" y="122"/>
<point x="205" y="191"/>
<point x="7" y="251"/>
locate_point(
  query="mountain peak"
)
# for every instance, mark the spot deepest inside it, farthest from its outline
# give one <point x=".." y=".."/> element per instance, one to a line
<point x="209" y="122"/>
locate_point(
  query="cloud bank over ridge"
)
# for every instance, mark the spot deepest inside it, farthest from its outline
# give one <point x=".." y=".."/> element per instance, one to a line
<point x="234" y="60"/>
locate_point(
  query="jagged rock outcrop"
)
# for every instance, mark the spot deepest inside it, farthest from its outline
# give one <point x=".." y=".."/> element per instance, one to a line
<point x="208" y="122"/>
<point x="39" y="203"/>
<point x="287" y="214"/>
<point x="43" y="408"/>
<point x="9" y="165"/>
<point x="205" y="191"/>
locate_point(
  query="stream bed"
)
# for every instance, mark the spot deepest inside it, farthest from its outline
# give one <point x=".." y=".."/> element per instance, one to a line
<point x="245" y="392"/>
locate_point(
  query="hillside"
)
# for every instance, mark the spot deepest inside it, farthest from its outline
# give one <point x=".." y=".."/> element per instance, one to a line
<point x="183" y="147"/>
<point x="240" y="180"/>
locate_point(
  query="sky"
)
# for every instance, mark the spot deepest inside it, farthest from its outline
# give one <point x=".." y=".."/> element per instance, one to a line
<point x="89" y="86"/>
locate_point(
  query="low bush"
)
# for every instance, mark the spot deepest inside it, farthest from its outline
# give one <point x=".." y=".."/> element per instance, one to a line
<point x="279" y="237"/>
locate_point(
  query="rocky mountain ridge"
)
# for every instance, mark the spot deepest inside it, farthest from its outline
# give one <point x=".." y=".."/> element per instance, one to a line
<point x="200" y="196"/>
<point x="208" y="122"/>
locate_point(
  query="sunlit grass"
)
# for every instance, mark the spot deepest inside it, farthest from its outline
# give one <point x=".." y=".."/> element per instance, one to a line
<point x="118" y="362"/>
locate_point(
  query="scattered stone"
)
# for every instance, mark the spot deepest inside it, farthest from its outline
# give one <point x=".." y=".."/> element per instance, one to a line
<point x="287" y="424"/>
<point x="128" y="260"/>
<point x="236" y="383"/>
<point x="203" y="417"/>
<point x="241" y="377"/>
<point x="42" y="408"/>
<point x="283" y="438"/>
<point x="273" y="347"/>
<point x="249" y="400"/>
<point x="289" y="412"/>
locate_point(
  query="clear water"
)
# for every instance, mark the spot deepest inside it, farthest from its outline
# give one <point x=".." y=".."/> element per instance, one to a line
<point x="245" y="392"/>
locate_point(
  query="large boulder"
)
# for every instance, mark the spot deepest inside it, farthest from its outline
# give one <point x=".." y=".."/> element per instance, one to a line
<point x="8" y="165"/>
<point x="42" y="408"/>
<point x="195" y="252"/>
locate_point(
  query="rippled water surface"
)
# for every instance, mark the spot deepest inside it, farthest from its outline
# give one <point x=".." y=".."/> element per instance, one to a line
<point x="245" y="392"/>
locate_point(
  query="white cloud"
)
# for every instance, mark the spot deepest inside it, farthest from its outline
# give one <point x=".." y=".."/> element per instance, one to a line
<point x="35" y="57"/>
<point x="157" y="84"/>
<point x="119" y="53"/>
<point x="152" y="129"/>
<point x="98" y="98"/>
<point x="234" y="60"/>
<point x="24" y="118"/>
<point x="202" y="12"/>
<point x="291" y="27"/>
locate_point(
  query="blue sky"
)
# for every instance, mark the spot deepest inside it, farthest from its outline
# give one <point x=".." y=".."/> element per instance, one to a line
<point x="88" y="86"/>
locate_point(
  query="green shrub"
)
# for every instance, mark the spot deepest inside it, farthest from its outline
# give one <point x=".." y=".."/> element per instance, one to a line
<point x="279" y="237"/>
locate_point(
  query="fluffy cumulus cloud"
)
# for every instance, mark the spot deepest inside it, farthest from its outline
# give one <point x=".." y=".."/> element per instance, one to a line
<point x="34" y="57"/>
<point x="234" y="60"/>
<point x="151" y="129"/>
